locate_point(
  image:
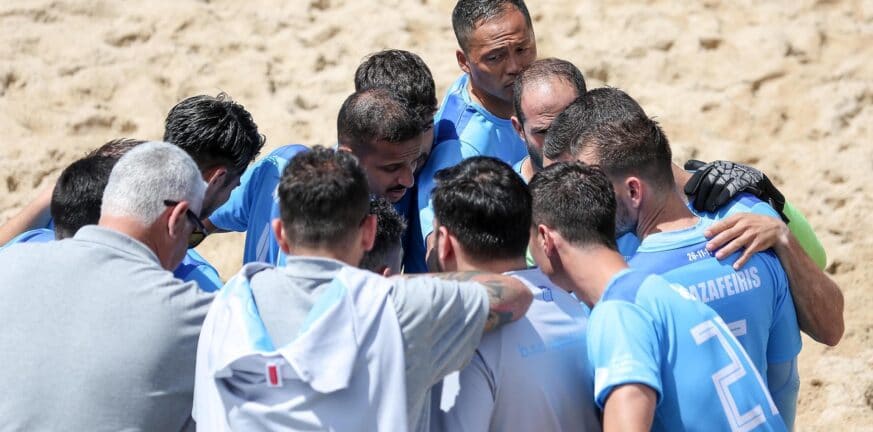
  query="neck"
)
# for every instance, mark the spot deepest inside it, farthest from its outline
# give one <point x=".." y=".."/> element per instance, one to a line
<point x="498" y="107"/>
<point x="133" y="228"/>
<point x="681" y="177"/>
<point x="493" y="266"/>
<point x="590" y="270"/>
<point x="664" y="215"/>
<point x="347" y="255"/>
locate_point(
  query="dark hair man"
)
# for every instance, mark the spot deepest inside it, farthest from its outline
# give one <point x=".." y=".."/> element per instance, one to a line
<point x="220" y="136"/>
<point x="652" y="345"/>
<point x="483" y="219"/>
<point x="105" y="303"/>
<point x="754" y="300"/>
<point x="385" y="258"/>
<point x="541" y="92"/>
<point x="496" y="42"/>
<point x="818" y="299"/>
<point x="320" y="310"/>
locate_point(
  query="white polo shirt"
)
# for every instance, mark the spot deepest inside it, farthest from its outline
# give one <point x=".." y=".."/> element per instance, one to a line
<point x="530" y="375"/>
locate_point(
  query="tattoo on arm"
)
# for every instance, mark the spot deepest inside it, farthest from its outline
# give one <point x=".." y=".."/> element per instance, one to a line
<point x="496" y="316"/>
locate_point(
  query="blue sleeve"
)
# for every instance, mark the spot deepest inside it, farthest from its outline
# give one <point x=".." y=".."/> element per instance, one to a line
<point x="784" y="383"/>
<point x="623" y="349"/>
<point x="784" y="343"/>
<point x="195" y="268"/>
<point x="234" y="214"/>
<point x="444" y="155"/>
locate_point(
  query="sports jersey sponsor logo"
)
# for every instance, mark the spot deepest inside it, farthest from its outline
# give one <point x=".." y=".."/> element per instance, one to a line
<point x="727" y="285"/>
<point x="556" y="344"/>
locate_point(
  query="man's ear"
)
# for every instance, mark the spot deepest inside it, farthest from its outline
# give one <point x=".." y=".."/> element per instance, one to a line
<point x="281" y="237"/>
<point x="634" y="191"/>
<point x="368" y="232"/>
<point x="176" y="219"/>
<point x="445" y="245"/>
<point x="519" y="129"/>
<point x="546" y="240"/>
<point x="385" y="271"/>
<point x="215" y="176"/>
<point x="462" y="60"/>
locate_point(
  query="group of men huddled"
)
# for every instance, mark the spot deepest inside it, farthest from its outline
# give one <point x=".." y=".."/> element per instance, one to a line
<point x="578" y="279"/>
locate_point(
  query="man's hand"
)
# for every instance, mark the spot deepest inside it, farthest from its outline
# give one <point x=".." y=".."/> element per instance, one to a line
<point x="716" y="183"/>
<point x="752" y="232"/>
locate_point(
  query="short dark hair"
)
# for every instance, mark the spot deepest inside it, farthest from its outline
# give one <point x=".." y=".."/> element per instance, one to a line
<point x="78" y="194"/>
<point x="406" y="74"/>
<point x="323" y="197"/>
<point x="115" y="148"/>
<point x="486" y="205"/>
<point x="469" y="14"/>
<point x="578" y="201"/>
<point x="214" y="131"/>
<point x="624" y="139"/>
<point x="546" y="69"/>
<point x="376" y="114"/>
<point x="389" y="231"/>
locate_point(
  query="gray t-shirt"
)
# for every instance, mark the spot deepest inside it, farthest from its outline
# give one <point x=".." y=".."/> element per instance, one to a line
<point x="96" y="336"/>
<point x="441" y="321"/>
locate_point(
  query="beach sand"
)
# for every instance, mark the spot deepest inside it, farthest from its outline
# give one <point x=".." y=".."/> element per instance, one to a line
<point x="785" y="86"/>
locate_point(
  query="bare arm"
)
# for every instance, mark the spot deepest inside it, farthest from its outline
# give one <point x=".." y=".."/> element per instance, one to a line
<point x="817" y="299"/>
<point x="508" y="298"/>
<point x="34" y="215"/>
<point x="630" y="407"/>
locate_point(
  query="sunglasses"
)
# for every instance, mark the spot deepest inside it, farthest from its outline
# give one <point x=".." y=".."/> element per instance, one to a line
<point x="199" y="234"/>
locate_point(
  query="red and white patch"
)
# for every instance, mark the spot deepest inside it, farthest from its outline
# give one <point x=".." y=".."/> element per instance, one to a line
<point x="274" y="378"/>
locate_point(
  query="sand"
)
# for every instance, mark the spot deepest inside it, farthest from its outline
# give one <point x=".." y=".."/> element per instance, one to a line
<point x="786" y="86"/>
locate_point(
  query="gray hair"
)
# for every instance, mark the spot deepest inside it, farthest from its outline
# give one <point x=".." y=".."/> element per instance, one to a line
<point x="148" y="175"/>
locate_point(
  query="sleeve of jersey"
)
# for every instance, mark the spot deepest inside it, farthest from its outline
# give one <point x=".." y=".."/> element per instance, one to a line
<point x="805" y="235"/>
<point x="446" y="318"/>
<point x="475" y="401"/>
<point x="444" y="155"/>
<point x="622" y="348"/>
<point x="784" y="343"/>
<point x="234" y="214"/>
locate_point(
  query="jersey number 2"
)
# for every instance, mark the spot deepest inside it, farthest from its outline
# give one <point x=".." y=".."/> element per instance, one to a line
<point x="733" y="372"/>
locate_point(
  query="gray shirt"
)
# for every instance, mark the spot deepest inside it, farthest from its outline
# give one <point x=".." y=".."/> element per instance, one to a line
<point x="441" y="321"/>
<point x="95" y="336"/>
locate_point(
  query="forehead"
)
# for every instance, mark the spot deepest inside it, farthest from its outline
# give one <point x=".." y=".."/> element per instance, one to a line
<point x="547" y="96"/>
<point x="508" y="26"/>
<point x="388" y="152"/>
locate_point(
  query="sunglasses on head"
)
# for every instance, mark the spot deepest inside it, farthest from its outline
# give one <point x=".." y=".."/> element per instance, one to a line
<point x="199" y="234"/>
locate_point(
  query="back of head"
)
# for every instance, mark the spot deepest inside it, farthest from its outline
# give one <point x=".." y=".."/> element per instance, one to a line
<point x="578" y="201"/>
<point x="386" y="251"/>
<point x="404" y="73"/>
<point x="214" y="131"/>
<point x="78" y="194"/>
<point x="611" y="126"/>
<point x="486" y="205"/>
<point x="148" y="175"/>
<point x="376" y="114"/>
<point x="116" y="148"/>
<point x="323" y="198"/>
<point x="469" y="14"/>
<point x="545" y="70"/>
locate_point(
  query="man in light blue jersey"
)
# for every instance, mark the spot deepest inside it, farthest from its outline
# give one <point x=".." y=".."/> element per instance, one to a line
<point x="541" y="92"/>
<point x="496" y="41"/>
<point x="76" y="201"/>
<point x="616" y="134"/>
<point x="662" y="360"/>
<point x="721" y="187"/>
<point x="532" y="374"/>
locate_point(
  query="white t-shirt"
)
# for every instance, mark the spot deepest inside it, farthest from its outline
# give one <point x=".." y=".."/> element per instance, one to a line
<point x="530" y="375"/>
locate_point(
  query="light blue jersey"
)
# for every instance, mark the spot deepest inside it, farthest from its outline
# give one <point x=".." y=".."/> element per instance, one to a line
<point x="741" y="203"/>
<point x="193" y="267"/>
<point x="463" y="129"/>
<point x="647" y="331"/>
<point x="754" y="301"/>
<point x="253" y="204"/>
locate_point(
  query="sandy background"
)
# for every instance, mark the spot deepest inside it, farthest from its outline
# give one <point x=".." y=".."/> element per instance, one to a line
<point x="787" y="86"/>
